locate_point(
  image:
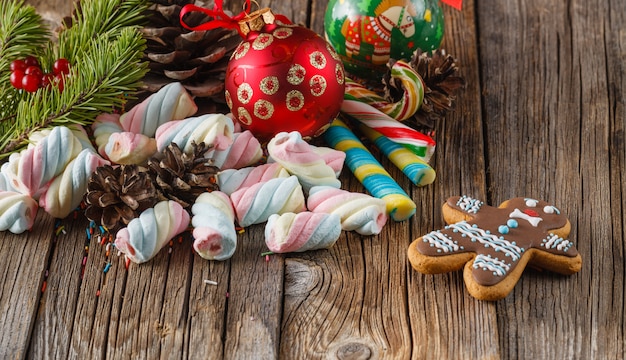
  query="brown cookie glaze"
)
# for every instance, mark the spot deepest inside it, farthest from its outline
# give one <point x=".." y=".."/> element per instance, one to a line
<point x="496" y="244"/>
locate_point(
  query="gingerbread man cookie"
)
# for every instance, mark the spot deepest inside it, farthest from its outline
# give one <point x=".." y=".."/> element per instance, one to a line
<point x="495" y="244"/>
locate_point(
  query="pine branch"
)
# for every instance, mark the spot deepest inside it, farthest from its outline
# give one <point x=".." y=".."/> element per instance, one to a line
<point x="22" y="33"/>
<point x="102" y="76"/>
<point x="95" y="17"/>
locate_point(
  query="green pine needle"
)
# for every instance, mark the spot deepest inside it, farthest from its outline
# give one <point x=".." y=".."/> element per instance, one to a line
<point x="99" y="82"/>
<point x="95" y="17"/>
<point x="22" y="31"/>
<point x="104" y="48"/>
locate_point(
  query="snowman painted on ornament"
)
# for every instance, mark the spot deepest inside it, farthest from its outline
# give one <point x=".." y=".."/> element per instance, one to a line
<point x="376" y="30"/>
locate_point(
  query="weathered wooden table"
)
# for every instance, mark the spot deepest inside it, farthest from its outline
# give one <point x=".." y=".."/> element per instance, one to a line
<point x="543" y="115"/>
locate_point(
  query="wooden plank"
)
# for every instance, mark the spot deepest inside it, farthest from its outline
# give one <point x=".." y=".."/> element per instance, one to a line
<point x="98" y="302"/>
<point x="446" y="321"/>
<point x="23" y="263"/>
<point x="54" y="323"/>
<point x="145" y="323"/>
<point x="207" y="309"/>
<point x="255" y="299"/>
<point x="546" y="105"/>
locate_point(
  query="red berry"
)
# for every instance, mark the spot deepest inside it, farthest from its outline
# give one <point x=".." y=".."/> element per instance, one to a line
<point x="18" y="65"/>
<point x="59" y="79"/>
<point x="16" y="79"/>
<point x="30" y="82"/>
<point x="34" y="70"/>
<point x="31" y="61"/>
<point x="61" y="66"/>
<point x="47" y="80"/>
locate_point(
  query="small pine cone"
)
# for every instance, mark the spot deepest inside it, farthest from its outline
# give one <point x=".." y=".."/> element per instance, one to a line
<point x="182" y="177"/>
<point x="116" y="195"/>
<point x="439" y="73"/>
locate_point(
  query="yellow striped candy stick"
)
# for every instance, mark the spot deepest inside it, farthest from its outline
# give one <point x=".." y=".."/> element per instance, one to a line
<point x="414" y="167"/>
<point x="369" y="171"/>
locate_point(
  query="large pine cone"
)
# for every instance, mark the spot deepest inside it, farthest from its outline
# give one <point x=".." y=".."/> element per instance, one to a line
<point x="183" y="177"/>
<point x="116" y="195"/>
<point x="197" y="59"/>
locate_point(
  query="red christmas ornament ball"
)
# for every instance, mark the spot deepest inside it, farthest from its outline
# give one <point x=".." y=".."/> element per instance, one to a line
<point x="284" y="78"/>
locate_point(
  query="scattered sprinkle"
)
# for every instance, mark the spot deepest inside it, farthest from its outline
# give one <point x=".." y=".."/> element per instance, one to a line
<point x="107" y="267"/>
<point x="210" y="282"/>
<point x="43" y="286"/>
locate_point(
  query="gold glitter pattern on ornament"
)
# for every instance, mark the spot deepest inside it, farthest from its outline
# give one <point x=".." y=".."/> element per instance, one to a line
<point x="295" y="100"/>
<point x="229" y="100"/>
<point x="283" y="33"/>
<point x="332" y="52"/>
<point x="339" y="74"/>
<point x="241" y="51"/>
<point x="269" y="85"/>
<point x="263" y="109"/>
<point x="318" y="85"/>
<point x="244" y="93"/>
<point x="262" y="41"/>
<point x="244" y="116"/>
<point x="318" y="60"/>
<point x="296" y="74"/>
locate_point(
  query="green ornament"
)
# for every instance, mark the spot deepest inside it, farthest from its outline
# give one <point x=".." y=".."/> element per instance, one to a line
<point x="367" y="33"/>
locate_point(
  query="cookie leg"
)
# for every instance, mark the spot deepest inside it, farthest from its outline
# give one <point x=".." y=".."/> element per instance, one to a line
<point x="436" y="264"/>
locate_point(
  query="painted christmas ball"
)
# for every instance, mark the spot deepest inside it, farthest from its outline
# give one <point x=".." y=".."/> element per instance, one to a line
<point x="284" y="78"/>
<point x="367" y="33"/>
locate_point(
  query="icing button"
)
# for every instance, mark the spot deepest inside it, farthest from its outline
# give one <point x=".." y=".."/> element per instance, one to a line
<point x="512" y="223"/>
<point x="503" y="229"/>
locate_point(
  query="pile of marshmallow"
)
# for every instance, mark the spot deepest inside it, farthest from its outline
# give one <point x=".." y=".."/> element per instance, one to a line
<point x="295" y="191"/>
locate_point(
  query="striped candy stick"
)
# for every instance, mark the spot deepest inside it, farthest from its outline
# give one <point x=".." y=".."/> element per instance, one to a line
<point x="370" y="172"/>
<point x="418" y="143"/>
<point x="414" y="167"/>
<point x="401" y="110"/>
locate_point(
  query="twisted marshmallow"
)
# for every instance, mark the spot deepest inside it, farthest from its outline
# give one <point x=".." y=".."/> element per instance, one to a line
<point x="66" y="191"/>
<point x="77" y="130"/>
<point x="212" y="129"/>
<point x="297" y="156"/>
<point x="333" y="158"/>
<point x="144" y="236"/>
<point x="215" y="237"/>
<point x="301" y="232"/>
<point x="231" y="180"/>
<point x="244" y="151"/>
<point x="255" y="204"/>
<point x="171" y="102"/>
<point x="119" y="146"/>
<point x="359" y="212"/>
<point x="30" y="170"/>
<point x="17" y="212"/>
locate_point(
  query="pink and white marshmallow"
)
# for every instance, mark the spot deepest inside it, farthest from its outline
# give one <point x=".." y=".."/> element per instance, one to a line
<point x="215" y="237"/>
<point x="300" y="232"/>
<point x="358" y="212"/>
<point x="146" y="235"/>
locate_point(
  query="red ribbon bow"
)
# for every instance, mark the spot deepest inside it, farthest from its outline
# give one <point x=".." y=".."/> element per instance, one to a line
<point x="454" y="3"/>
<point x="220" y="18"/>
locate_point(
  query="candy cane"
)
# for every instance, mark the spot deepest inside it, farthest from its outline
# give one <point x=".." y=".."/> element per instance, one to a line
<point x="416" y="169"/>
<point x="418" y="143"/>
<point x="401" y="110"/>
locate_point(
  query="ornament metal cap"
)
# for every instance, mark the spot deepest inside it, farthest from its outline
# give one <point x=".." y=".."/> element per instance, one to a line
<point x="256" y="20"/>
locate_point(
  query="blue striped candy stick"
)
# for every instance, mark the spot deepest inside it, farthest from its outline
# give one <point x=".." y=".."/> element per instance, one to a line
<point x="369" y="171"/>
<point x="414" y="167"/>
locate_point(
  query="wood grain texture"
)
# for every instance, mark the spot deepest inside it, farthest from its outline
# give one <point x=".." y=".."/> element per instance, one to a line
<point x="23" y="262"/>
<point x="543" y="115"/>
<point x="549" y="113"/>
